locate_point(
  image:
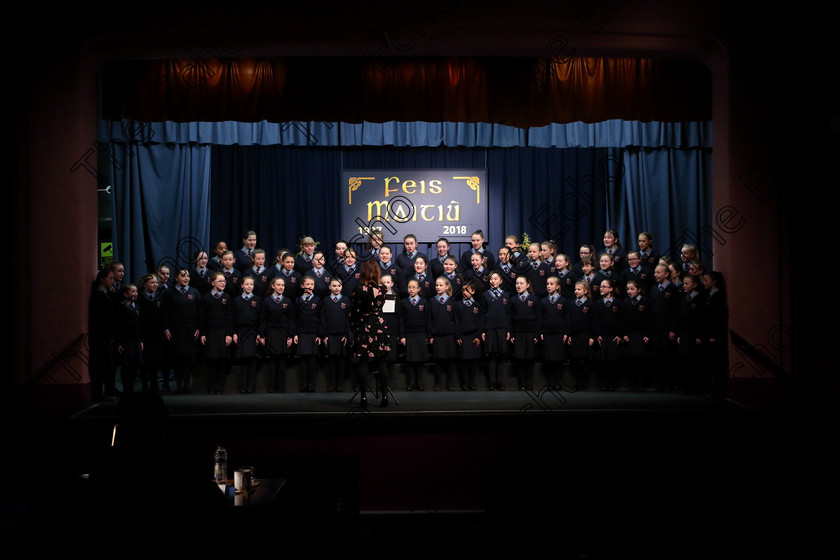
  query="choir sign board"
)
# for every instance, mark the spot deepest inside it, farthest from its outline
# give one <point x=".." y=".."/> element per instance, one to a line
<point x="430" y="203"/>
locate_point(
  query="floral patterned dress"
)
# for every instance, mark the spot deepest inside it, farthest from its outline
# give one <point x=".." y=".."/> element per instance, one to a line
<point x="370" y="333"/>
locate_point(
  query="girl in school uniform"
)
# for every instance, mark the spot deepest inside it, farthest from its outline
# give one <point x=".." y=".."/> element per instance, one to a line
<point x="524" y="319"/>
<point x="606" y="271"/>
<point x="649" y="256"/>
<point x="320" y="274"/>
<point x="276" y="333"/>
<point x="478" y="272"/>
<point x="688" y="254"/>
<point x="635" y="328"/>
<point x="118" y="269"/>
<point x="303" y="262"/>
<point x="424" y="279"/>
<point x="554" y="331"/>
<point x="415" y="337"/>
<point x="247" y="310"/>
<point x="216" y="326"/>
<point x="233" y="277"/>
<point x="336" y="258"/>
<point x="128" y="333"/>
<point x="587" y="267"/>
<point x="495" y="330"/>
<point x="200" y="273"/>
<point x="245" y="256"/>
<point x="612" y="246"/>
<point x="581" y="335"/>
<point x="436" y="263"/>
<point x="513" y="243"/>
<point x="442" y="326"/>
<point x="285" y="268"/>
<point x="451" y="273"/>
<point x="101" y="317"/>
<point x="167" y="373"/>
<point x="348" y="272"/>
<point x="537" y="271"/>
<point x="506" y="270"/>
<point x="689" y="333"/>
<point x="565" y="277"/>
<point x="375" y="243"/>
<point x="335" y="334"/>
<point x="150" y="301"/>
<point x="164" y="281"/>
<point x="468" y="311"/>
<point x="307" y="322"/>
<point x="635" y="270"/>
<point x="215" y="263"/>
<point x="260" y="273"/>
<point x="391" y="313"/>
<point x="586" y="251"/>
<point x="676" y="275"/>
<point x="181" y="327"/>
<point x="477" y="247"/>
<point x="405" y="260"/>
<point x="548" y="252"/>
<point x="663" y="310"/>
<point x="387" y="266"/>
<point x="607" y="325"/>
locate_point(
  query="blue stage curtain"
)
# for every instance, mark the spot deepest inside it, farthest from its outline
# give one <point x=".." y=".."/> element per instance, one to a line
<point x="664" y="192"/>
<point x="562" y="182"/>
<point x="162" y="205"/>
<point x="607" y="134"/>
<point x="285" y="193"/>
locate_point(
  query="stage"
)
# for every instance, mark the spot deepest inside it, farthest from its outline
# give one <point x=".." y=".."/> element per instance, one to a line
<point x="428" y="404"/>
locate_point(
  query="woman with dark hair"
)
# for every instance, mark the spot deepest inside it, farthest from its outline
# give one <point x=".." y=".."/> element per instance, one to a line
<point x="370" y="332"/>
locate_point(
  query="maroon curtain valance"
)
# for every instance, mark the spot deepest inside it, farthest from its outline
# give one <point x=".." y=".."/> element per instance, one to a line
<point x="519" y="92"/>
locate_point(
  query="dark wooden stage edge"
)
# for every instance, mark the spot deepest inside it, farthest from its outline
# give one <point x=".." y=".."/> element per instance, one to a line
<point x="452" y="404"/>
<point x="481" y="471"/>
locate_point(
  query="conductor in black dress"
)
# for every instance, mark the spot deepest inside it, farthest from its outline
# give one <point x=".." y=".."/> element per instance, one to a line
<point x="370" y="332"/>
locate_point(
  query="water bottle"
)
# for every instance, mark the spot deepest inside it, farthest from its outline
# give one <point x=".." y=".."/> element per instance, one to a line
<point x="220" y="465"/>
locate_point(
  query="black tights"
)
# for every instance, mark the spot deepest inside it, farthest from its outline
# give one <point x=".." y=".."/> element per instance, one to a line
<point x="469" y="370"/>
<point x="444" y="367"/>
<point x="309" y="370"/>
<point x="336" y="367"/>
<point x="415" y="375"/>
<point x="277" y="374"/>
<point x="494" y="373"/>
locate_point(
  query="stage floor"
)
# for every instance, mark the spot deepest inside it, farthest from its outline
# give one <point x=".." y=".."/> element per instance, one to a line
<point x="426" y="403"/>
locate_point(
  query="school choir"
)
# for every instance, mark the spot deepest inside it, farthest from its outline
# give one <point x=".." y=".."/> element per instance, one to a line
<point x="623" y="318"/>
